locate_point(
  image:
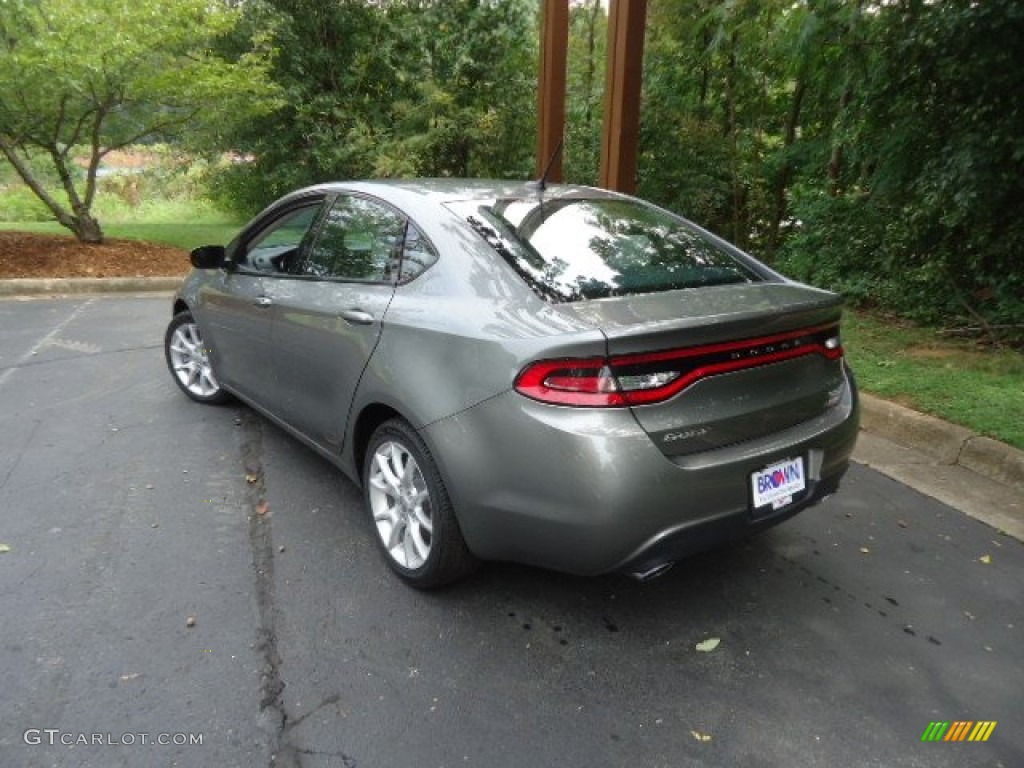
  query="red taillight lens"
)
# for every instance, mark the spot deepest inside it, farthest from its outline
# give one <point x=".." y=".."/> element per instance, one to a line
<point x="648" y="378"/>
<point x="587" y="382"/>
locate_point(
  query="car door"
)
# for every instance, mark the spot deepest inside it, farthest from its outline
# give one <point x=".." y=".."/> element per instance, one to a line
<point x="235" y="309"/>
<point x="328" y="314"/>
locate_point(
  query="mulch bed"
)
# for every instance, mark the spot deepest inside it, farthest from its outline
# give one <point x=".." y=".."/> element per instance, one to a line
<point x="24" y="254"/>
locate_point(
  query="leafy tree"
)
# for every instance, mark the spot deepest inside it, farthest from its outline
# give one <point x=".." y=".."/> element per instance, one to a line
<point x="394" y="88"/>
<point x="924" y="213"/>
<point x="588" y="43"/>
<point x="80" y="78"/>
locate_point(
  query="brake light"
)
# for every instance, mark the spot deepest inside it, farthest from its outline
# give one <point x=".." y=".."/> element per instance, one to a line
<point x="647" y="378"/>
<point x="571" y="382"/>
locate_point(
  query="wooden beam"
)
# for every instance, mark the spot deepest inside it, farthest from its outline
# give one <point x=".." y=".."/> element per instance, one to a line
<point x="554" y="44"/>
<point x="621" y="130"/>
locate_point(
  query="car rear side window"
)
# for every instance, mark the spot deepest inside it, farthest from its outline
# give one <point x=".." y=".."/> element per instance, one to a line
<point x="417" y="255"/>
<point x="589" y="248"/>
<point x="360" y="240"/>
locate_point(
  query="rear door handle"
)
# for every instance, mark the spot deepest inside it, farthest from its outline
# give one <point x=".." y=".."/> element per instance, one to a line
<point x="264" y="301"/>
<point x="356" y="317"/>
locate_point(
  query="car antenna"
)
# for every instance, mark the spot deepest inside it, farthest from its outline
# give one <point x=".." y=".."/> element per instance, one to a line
<point x="542" y="182"/>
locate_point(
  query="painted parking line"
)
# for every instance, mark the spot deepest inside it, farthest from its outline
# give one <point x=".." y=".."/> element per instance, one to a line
<point x="46" y="340"/>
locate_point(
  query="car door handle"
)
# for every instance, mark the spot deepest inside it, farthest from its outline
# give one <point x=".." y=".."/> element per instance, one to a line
<point x="264" y="301"/>
<point x="356" y="317"/>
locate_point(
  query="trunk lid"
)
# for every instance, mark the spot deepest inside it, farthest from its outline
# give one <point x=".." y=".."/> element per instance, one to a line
<point x="742" y="361"/>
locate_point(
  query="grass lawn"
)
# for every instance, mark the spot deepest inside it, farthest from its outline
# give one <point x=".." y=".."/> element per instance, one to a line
<point x="205" y="230"/>
<point x="959" y="381"/>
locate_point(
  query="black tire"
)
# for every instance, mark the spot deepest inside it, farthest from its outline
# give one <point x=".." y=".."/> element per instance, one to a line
<point x="188" y="361"/>
<point x="410" y="512"/>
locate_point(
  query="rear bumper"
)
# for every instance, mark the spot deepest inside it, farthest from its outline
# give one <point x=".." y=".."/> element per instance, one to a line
<point x="586" y="491"/>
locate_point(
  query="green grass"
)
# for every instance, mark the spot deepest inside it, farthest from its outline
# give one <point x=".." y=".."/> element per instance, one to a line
<point x="980" y="388"/>
<point x="188" y="234"/>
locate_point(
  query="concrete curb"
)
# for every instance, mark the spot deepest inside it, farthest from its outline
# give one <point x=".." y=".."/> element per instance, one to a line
<point x="946" y="443"/>
<point x="64" y="285"/>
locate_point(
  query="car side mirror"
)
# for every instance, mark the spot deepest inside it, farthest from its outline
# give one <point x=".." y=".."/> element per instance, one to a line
<point x="208" y="256"/>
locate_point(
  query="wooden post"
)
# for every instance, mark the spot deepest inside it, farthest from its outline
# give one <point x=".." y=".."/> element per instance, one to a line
<point x="554" y="44"/>
<point x="621" y="131"/>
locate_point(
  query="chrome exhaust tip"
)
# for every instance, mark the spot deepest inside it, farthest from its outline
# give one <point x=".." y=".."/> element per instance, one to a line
<point x="651" y="573"/>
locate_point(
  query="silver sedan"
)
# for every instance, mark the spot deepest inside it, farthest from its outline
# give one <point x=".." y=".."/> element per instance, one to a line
<point x="559" y="376"/>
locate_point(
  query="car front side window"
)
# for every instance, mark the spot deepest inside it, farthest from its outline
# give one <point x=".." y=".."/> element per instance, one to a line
<point x="277" y="248"/>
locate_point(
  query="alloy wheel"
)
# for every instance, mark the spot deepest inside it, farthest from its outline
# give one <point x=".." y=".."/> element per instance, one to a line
<point x="190" y="362"/>
<point x="400" y="504"/>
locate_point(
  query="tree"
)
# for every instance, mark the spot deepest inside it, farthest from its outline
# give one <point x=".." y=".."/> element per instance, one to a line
<point x="81" y="78"/>
<point x="390" y="88"/>
<point x="588" y="44"/>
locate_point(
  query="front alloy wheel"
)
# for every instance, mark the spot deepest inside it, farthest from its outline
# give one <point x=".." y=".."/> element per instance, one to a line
<point x="189" y="362"/>
<point x="410" y="509"/>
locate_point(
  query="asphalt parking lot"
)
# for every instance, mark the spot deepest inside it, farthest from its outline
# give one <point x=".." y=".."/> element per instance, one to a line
<point x="126" y="510"/>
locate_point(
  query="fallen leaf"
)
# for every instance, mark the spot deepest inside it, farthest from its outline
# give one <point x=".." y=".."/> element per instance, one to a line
<point x="5" y="548"/>
<point x="132" y="676"/>
<point x="986" y="559"/>
<point x="865" y="551"/>
<point x="262" y="508"/>
<point x="701" y="736"/>
<point x="251" y="479"/>
<point x="706" y="646"/>
<point x="190" y="621"/>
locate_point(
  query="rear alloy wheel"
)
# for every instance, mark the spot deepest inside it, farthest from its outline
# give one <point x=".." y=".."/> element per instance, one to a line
<point x="410" y="509"/>
<point x="189" y="362"/>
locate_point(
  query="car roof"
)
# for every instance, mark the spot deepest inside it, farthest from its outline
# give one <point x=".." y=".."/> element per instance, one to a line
<point x="448" y="190"/>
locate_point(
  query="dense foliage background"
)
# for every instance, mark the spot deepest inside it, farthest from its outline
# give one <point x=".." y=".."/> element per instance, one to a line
<point x="871" y="146"/>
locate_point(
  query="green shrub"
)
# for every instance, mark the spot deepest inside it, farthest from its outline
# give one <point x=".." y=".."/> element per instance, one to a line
<point x="18" y="203"/>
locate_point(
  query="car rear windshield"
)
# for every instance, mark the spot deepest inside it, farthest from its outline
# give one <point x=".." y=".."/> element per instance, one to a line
<point x="590" y="248"/>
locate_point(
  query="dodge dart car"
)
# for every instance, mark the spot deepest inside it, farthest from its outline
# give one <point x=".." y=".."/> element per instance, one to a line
<point x="553" y="375"/>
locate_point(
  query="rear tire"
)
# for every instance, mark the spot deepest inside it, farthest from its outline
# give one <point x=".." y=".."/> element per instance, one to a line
<point x="189" y="362"/>
<point x="410" y="511"/>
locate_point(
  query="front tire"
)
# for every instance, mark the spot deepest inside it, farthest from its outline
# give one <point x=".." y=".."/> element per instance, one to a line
<point x="410" y="511"/>
<point x="189" y="362"/>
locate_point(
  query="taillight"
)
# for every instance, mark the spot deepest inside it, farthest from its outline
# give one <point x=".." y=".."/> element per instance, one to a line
<point x="647" y="378"/>
<point x="571" y="382"/>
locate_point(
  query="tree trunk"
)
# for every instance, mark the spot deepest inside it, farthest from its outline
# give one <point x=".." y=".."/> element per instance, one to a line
<point x="786" y="172"/>
<point x="86" y="228"/>
<point x="835" y="161"/>
<point x="82" y="223"/>
<point x="739" y="235"/>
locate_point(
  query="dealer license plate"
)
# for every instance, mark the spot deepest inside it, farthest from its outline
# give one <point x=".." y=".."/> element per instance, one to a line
<point x="776" y="485"/>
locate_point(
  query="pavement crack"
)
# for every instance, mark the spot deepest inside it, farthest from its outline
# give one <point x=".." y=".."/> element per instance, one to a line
<point x="21" y="453"/>
<point x="273" y="718"/>
<point x="347" y="761"/>
<point x="334" y="698"/>
<point x="25" y="364"/>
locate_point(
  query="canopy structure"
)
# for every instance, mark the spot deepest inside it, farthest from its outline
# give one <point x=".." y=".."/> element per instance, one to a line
<point x="621" y="127"/>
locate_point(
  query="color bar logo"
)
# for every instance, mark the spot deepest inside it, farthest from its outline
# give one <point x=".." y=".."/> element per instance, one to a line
<point x="959" y="730"/>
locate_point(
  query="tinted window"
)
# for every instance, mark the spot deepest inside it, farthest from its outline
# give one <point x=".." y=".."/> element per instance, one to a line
<point x="417" y="254"/>
<point x="573" y="249"/>
<point x="276" y="248"/>
<point x="360" y="240"/>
